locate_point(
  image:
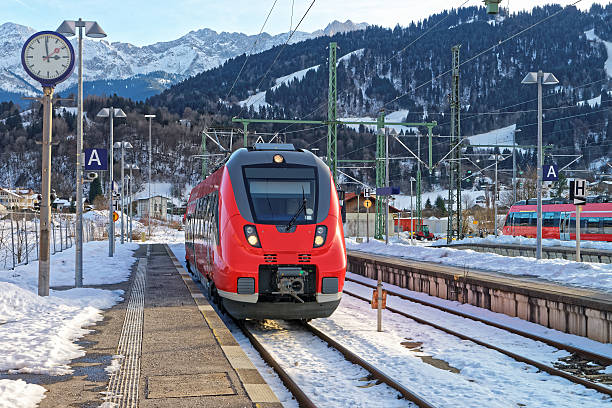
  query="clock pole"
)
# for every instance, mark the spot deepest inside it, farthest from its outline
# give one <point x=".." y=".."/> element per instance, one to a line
<point x="45" y="203"/>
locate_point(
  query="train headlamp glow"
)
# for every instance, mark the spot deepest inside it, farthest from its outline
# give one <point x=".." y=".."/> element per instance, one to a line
<point x="320" y="236"/>
<point x="250" y="233"/>
<point x="278" y="159"/>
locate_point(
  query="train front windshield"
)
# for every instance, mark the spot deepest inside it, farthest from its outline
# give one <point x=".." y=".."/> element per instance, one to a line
<point x="280" y="195"/>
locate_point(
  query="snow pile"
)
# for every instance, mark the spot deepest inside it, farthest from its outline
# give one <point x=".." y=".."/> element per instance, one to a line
<point x="38" y="332"/>
<point x="510" y="240"/>
<point x="502" y="136"/>
<point x="19" y="394"/>
<point x="582" y="274"/>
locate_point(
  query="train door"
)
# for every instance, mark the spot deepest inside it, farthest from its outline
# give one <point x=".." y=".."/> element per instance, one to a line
<point x="564" y="226"/>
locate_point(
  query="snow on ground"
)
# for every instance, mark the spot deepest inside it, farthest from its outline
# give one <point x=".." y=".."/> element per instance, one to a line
<point x="37" y="334"/>
<point x="533" y="349"/>
<point x="582" y="274"/>
<point x="396" y="116"/>
<point x="448" y="371"/>
<point x="163" y="189"/>
<point x="502" y="136"/>
<point x="593" y="102"/>
<point x="402" y="201"/>
<point x="510" y="240"/>
<point x="592" y="37"/>
<point x="19" y="394"/>
<point x="98" y="267"/>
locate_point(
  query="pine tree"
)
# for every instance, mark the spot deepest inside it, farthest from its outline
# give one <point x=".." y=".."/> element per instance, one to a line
<point x="95" y="189"/>
<point x="440" y="205"/>
<point x="428" y="204"/>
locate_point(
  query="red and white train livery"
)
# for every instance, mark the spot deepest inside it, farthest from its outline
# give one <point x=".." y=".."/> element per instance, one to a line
<point x="264" y="234"/>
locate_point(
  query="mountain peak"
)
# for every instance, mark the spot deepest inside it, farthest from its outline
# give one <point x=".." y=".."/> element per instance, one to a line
<point x="336" y="27"/>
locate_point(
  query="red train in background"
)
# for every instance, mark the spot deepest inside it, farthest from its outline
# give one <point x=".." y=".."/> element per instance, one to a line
<point x="264" y="234"/>
<point x="559" y="221"/>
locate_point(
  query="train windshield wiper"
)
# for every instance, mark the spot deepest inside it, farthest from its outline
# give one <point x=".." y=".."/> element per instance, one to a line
<point x="302" y="208"/>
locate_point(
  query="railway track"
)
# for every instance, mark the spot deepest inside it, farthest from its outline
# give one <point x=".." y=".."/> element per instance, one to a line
<point x="541" y="366"/>
<point x="301" y="396"/>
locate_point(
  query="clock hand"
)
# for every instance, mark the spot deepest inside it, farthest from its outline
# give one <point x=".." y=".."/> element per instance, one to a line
<point x="47" y="48"/>
<point x="55" y="51"/>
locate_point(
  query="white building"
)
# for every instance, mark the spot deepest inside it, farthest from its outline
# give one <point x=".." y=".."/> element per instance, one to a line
<point x="158" y="206"/>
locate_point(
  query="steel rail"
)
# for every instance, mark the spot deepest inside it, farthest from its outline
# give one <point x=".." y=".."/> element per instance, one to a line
<point x="541" y="366"/>
<point x="299" y="395"/>
<point x="603" y="360"/>
<point x="376" y="373"/>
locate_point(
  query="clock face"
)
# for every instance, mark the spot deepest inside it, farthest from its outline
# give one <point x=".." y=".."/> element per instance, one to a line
<point x="48" y="57"/>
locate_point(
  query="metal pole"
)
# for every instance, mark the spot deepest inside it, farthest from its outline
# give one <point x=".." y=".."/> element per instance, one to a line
<point x="514" y="167"/>
<point x="411" y="216"/>
<point x="150" y="152"/>
<point x="122" y="193"/>
<point x="539" y="169"/>
<point x="358" y="210"/>
<point x="367" y="224"/>
<point x="13" y="240"/>
<point x="45" y="213"/>
<point x="578" y="208"/>
<point x="379" y="295"/>
<point x="130" y="201"/>
<point x="25" y="224"/>
<point x="386" y="185"/>
<point x="111" y="221"/>
<point x="495" y="198"/>
<point x="78" y="265"/>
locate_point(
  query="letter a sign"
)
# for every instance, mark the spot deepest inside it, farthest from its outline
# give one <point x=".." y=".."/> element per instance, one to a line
<point x="96" y="159"/>
<point x="550" y="172"/>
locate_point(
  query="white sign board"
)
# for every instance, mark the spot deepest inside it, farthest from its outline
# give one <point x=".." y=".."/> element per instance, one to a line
<point x="578" y="191"/>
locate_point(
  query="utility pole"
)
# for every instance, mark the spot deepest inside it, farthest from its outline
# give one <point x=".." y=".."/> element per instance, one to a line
<point x="418" y="185"/>
<point x="150" y="117"/>
<point x="386" y="185"/>
<point x="332" y="127"/>
<point x="45" y="202"/>
<point x="454" y="176"/>
<point x="122" y="193"/>
<point x="380" y="174"/>
<point x="495" y="196"/>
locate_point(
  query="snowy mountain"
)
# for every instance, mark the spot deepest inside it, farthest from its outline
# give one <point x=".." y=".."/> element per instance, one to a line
<point x="153" y="67"/>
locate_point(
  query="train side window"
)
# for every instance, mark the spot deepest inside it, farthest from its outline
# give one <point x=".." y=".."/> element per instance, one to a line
<point x="547" y="219"/>
<point x="607" y="225"/>
<point x="533" y="219"/>
<point x="524" y="218"/>
<point x="592" y="225"/>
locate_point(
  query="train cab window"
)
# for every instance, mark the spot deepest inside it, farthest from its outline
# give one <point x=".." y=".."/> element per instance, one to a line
<point x="277" y="196"/>
<point x="509" y="220"/>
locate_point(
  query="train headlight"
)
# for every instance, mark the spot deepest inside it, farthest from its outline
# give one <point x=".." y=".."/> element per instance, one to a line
<point x="278" y="159"/>
<point x="320" y="236"/>
<point x="250" y="233"/>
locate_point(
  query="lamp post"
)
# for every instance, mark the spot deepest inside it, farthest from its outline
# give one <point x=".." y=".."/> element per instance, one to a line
<point x="539" y="78"/>
<point x="150" y="117"/>
<point x="93" y="30"/>
<point x="130" y="192"/>
<point x="123" y="146"/>
<point x="111" y="113"/>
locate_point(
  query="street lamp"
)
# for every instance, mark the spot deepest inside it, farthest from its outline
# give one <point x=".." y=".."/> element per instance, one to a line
<point x="539" y="78"/>
<point x="130" y="192"/>
<point x="122" y="146"/>
<point x="111" y="113"/>
<point x="150" y="117"/>
<point x="93" y="30"/>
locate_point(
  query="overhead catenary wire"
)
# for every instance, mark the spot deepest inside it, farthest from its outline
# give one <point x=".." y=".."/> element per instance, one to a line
<point x="252" y="48"/>
<point x="277" y="56"/>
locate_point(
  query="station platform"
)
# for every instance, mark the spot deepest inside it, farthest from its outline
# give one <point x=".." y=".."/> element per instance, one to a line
<point x="580" y="311"/>
<point x="164" y="346"/>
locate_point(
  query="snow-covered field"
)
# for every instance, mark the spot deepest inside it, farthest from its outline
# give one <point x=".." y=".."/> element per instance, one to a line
<point x="510" y="240"/>
<point x="565" y="272"/>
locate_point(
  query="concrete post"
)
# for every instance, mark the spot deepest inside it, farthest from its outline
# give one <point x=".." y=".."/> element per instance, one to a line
<point x="45" y="204"/>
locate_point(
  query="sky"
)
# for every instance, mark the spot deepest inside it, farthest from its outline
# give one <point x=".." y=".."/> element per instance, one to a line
<point x="143" y="22"/>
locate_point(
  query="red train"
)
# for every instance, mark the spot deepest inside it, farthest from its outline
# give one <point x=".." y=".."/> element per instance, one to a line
<point x="559" y="221"/>
<point x="264" y="235"/>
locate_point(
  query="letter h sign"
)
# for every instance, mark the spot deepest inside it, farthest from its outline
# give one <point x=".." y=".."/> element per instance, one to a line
<point x="578" y="191"/>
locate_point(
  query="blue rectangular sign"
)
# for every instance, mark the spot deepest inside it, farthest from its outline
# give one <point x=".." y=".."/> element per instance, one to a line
<point x="96" y="159"/>
<point x="550" y="172"/>
<point x="386" y="191"/>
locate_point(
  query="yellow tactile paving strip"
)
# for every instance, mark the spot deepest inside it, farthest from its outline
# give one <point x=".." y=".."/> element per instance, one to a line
<point x="256" y="387"/>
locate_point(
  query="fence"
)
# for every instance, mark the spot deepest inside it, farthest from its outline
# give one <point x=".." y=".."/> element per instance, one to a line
<point x="19" y="236"/>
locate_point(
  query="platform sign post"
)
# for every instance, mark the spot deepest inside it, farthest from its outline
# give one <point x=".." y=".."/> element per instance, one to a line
<point x="578" y="192"/>
<point x="380" y="301"/>
<point x="367" y="204"/>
